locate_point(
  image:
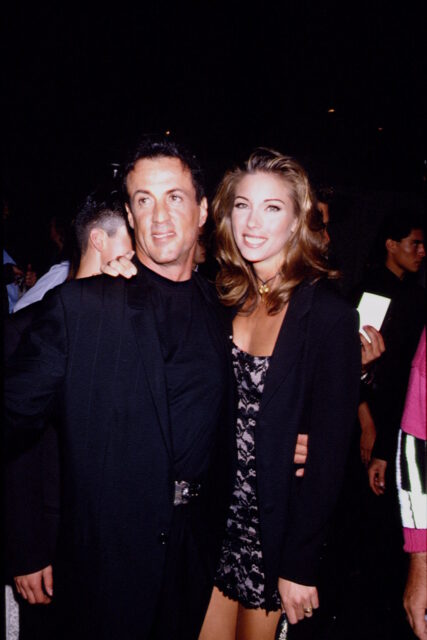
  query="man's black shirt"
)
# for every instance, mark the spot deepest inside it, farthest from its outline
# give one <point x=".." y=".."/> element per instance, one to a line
<point x="401" y="331"/>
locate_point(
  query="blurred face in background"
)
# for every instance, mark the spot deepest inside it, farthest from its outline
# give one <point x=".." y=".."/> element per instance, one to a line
<point x="324" y="210"/>
<point x="407" y="254"/>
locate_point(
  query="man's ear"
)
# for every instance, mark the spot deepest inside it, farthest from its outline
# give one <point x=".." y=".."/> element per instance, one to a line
<point x="390" y="245"/>
<point x="203" y="207"/>
<point x="98" y="239"/>
<point x="130" y="216"/>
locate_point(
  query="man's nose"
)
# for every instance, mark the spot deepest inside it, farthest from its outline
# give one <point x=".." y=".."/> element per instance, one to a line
<point x="161" y="212"/>
<point x="421" y="250"/>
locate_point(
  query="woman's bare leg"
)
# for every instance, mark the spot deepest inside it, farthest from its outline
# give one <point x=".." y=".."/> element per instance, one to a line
<point x="221" y="618"/>
<point x="256" y="624"/>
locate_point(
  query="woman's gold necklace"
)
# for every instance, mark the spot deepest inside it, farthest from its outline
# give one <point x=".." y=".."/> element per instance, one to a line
<point x="263" y="287"/>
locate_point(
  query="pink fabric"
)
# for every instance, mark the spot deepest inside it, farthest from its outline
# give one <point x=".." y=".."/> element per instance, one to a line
<point x="414" y="423"/>
<point x="414" y="415"/>
<point x="415" y="540"/>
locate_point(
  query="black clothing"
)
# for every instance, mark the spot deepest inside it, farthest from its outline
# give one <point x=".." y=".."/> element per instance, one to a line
<point x="95" y="345"/>
<point x="401" y="331"/>
<point x="195" y="370"/>
<point x="32" y="480"/>
<point x="311" y="386"/>
<point x="186" y="590"/>
<point x="371" y="525"/>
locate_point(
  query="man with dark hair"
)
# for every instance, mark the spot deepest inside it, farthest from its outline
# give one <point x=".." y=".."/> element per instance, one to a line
<point x="382" y="405"/>
<point x="402" y="244"/>
<point x="142" y="374"/>
<point x="149" y="149"/>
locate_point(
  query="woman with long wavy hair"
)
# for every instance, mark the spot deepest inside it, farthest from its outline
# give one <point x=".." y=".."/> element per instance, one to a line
<point x="296" y="358"/>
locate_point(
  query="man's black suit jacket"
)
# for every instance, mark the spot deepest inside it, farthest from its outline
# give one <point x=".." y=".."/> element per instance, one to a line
<point x="31" y="479"/>
<point x="94" y="347"/>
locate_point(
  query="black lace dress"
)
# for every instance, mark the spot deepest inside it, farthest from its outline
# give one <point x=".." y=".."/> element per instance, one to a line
<point x="240" y="574"/>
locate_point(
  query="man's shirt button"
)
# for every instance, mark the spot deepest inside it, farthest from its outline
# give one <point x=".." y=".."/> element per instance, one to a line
<point x="163" y="537"/>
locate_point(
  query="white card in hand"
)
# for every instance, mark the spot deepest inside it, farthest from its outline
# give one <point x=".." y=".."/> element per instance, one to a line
<point x="372" y="309"/>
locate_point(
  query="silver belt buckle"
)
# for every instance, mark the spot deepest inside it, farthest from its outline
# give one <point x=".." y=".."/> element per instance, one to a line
<point x="185" y="491"/>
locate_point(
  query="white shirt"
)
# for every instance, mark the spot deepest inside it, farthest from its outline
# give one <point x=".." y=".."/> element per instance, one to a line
<point x="55" y="276"/>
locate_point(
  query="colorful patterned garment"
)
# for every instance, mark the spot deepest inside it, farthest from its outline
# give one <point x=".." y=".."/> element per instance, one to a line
<point x="411" y="463"/>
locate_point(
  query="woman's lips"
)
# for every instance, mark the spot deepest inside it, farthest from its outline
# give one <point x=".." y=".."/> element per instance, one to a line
<point x="254" y="241"/>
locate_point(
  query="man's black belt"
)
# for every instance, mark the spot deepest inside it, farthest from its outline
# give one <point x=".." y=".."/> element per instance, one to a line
<point x="185" y="491"/>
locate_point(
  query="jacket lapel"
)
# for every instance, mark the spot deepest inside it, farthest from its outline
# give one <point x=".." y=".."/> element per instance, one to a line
<point x="147" y="339"/>
<point x="290" y="341"/>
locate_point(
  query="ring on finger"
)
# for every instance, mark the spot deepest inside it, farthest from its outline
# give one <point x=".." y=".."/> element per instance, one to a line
<point x="308" y="610"/>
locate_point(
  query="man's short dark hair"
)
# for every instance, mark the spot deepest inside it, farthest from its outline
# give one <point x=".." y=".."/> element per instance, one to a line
<point x="399" y="224"/>
<point x="165" y="148"/>
<point x="102" y="210"/>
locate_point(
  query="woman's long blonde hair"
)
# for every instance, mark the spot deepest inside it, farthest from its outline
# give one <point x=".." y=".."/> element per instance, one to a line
<point x="305" y="250"/>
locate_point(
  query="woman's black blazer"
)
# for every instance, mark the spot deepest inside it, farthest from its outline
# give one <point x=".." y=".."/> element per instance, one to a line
<point x="311" y="386"/>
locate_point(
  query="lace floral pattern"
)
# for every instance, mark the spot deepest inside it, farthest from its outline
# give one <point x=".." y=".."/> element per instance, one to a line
<point x="12" y="615"/>
<point x="240" y="574"/>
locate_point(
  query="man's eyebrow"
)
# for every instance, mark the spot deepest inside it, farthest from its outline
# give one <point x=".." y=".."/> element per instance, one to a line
<point x="145" y="191"/>
<point x="176" y="189"/>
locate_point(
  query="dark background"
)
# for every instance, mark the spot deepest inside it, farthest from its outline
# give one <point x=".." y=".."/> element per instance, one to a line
<point x="80" y="85"/>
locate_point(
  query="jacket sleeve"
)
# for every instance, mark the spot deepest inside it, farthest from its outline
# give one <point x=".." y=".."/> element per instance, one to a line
<point x="332" y="415"/>
<point x="31" y="516"/>
<point x="35" y="372"/>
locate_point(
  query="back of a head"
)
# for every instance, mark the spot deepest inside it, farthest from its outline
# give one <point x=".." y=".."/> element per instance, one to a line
<point x="101" y="209"/>
<point x="151" y="148"/>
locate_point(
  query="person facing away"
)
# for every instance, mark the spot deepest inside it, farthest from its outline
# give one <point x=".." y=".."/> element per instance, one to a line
<point x="140" y="371"/>
<point x="32" y="481"/>
<point x="100" y="234"/>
